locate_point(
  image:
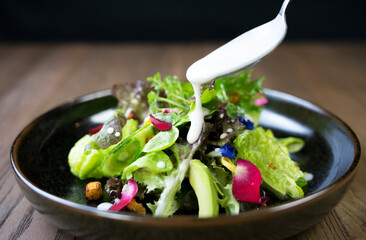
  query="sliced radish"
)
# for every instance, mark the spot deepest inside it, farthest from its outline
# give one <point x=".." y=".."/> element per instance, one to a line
<point x="161" y="125"/>
<point x="168" y="111"/>
<point x="129" y="191"/>
<point x="246" y="183"/>
<point x="261" y="100"/>
<point x="95" y="130"/>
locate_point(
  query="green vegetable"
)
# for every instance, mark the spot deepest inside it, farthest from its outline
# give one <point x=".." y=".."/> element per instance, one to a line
<point x="84" y="160"/>
<point x="223" y="184"/>
<point x="176" y="94"/>
<point x="289" y="144"/>
<point x="202" y="183"/>
<point x="278" y="171"/>
<point x="130" y="127"/>
<point x="292" y="144"/>
<point x="125" y="152"/>
<point x="115" y="122"/>
<point x="75" y="154"/>
<point x="244" y="91"/>
<point x="167" y="205"/>
<point x="151" y="180"/>
<point x="231" y="205"/>
<point x="156" y="162"/>
<point x="162" y="140"/>
<point x="209" y="99"/>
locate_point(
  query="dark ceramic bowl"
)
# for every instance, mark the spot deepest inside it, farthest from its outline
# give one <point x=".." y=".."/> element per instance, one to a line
<point x="39" y="159"/>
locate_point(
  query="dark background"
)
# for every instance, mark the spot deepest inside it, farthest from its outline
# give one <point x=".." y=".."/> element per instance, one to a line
<point x="118" y="20"/>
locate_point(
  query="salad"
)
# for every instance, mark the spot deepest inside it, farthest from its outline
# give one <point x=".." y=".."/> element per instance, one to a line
<point x="140" y="161"/>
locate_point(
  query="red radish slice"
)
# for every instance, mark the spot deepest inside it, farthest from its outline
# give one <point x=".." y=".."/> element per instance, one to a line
<point x="168" y="111"/>
<point x="129" y="191"/>
<point x="246" y="183"/>
<point x="261" y="100"/>
<point x="162" y="126"/>
<point x="95" y="130"/>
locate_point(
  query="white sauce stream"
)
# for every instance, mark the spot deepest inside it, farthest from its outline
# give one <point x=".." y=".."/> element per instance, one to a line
<point x="196" y="116"/>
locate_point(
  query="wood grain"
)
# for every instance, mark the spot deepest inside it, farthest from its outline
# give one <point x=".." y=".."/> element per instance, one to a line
<point x="35" y="78"/>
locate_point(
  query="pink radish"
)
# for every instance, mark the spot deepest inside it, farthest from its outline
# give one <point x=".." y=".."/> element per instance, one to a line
<point x="95" y="130"/>
<point x="162" y="126"/>
<point x="168" y="111"/>
<point x="129" y="191"/>
<point x="246" y="183"/>
<point x="260" y="101"/>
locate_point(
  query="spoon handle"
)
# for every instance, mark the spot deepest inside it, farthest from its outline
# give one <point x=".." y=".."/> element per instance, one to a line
<point x="283" y="8"/>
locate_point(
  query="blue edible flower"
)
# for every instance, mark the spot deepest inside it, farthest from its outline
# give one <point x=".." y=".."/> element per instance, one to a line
<point x="228" y="151"/>
<point x="247" y="123"/>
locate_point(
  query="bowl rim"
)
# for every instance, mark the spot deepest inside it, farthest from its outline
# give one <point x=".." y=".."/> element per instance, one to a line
<point x="189" y="220"/>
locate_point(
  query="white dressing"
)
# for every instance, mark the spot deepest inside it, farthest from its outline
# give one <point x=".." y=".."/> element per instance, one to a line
<point x="239" y="54"/>
<point x="196" y="116"/>
<point x="104" y="206"/>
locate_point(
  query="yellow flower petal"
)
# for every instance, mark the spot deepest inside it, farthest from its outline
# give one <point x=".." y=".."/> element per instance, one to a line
<point x="228" y="164"/>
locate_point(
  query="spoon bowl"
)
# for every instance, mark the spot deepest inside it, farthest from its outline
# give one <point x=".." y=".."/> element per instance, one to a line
<point x="241" y="53"/>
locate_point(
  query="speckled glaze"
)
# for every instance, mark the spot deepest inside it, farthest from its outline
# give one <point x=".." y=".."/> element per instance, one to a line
<point x="39" y="159"/>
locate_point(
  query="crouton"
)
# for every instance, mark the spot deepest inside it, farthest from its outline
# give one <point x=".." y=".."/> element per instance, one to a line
<point x="136" y="207"/>
<point x="94" y="190"/>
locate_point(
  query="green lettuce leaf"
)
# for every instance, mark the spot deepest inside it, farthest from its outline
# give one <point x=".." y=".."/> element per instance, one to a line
<point x="115" y="122"/>
<point x="228" y="201"/>
<point x="289" y="144"/>
<point x="155" y="162"/>
<point x="151" y="180"/>
<point x="279" y="172"/>
<point x="239" y="93"/>
<point x="162" y="140"/>
<point x="169" y="93"/>
<point x="167" y="203"/>
<point x="223" y="180"/>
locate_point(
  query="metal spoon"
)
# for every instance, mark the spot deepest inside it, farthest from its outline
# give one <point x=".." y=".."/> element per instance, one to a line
<point x="241" y="53"/>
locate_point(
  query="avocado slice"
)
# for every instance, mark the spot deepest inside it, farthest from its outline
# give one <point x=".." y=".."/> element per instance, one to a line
<point x="202" y="183"/>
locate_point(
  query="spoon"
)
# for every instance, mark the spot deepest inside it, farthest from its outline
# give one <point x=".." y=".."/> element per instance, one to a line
<point x="241" y="53"/>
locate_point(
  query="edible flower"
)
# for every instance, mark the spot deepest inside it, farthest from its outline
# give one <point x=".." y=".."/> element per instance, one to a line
<point x="246" y="183"/>
<point x="95" y="130"/>
<point x="228" y="151"/>
<point x="168" y="111"/>
<point x="161" y="125"/>
<point x="261" y="100"/>
<point x="129" y="191"/>
<point x="247" y="123"/>
<point x="228" y="164"/>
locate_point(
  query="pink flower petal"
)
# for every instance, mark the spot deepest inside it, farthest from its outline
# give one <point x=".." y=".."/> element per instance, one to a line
<point x="95" y="130"/>
<point x="261" y="101"/>
<point x="168" y="111"/>
<point x="129" y="191"/>
<point x="162" y="126"/>
<point x="246" y="183"/>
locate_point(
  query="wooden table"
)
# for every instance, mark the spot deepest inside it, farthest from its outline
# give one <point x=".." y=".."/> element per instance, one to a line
<point x="35" y="78"/>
